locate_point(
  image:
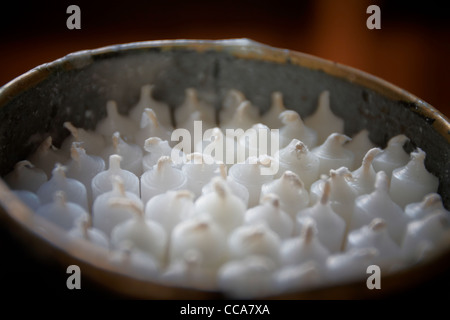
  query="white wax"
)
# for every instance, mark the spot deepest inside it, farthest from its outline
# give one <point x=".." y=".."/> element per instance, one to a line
<point x="115" y="122"/>
<point x="271" y="117"/>
<point x="47" y="156"/>
<point x="251" y="277"/>
<point x="323" y="120"/>
<point x="363" y="180"/>
<point x="297" y="277"/>
<point x="412" y="182"/>
<point x="245" y="117"/>
<point x="145" y="235"/>
<point x="222" y="206"/>
<point x="294" y="128"/>
<point x="131" y="154"/>
<point x="146" y="100"/>
<point x="83" y="230"/>
<point x="269" y="212"/>
<point x="306" y="247"/>
<point x="25" y="176"/>
<point x="297" y="158"/>
<point x="161" y="178"/>
<point x="91" y="141"/>
<point x="75" y="191"/>
<point x="101" y="183"/>
<point x="156" y="148"/>
<point x="192" y="104"/>
<point x="430" y="204"/>
<point x="84" y="168"/>
<point x="359" y="145"/>
<point x="379" y="204"/>
<point x="29" y="198"/>
<point x="342" y="193"/>
<point x="199" y="169"/>
<point x="250" y="174"/>
<point x="332" y="154"/>
<point x="233" y="98"/>
<point x="291" y="193"/>
<point x="375" y="235"/>
<point x="61" y="212"/>
<point x="330" y="226"/>
<point x="199" y="234"/>
<point x="393" y="156"/>
<point x="150" y="127"/>
<point x="170" y="208"/>
<point x="104" y="216"/>
<point x="236" y="188"/>
<point x="248" y="240"/>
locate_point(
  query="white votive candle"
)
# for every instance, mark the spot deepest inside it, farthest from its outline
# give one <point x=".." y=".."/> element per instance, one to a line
<point x="25" y="176"/>
<point x="101" y="183"/>
<point x="155" y="148"/>
<point x="193" y="105"/>
<point x="363" y="178"/>
<point x="150" y="127"/>
<point x="323" y="120"/>
<point x="47" y="156"/>
<point x="92" y="142"/>
<point x="84" y="230"/>
<point x="233" y="98"/>
<point x="430" y="204"/>
<point x="29" y="198"/>
<point x="271" y="117"/>
<point x="62" y="212"/>
<point x="199" y="169"/>
<point x="294" y="128"/>
<point x="359" y="145"/>
<point x="393" y="156"/>
<point x="115" y="122"/>
<point x="245" y="117"/>
<point x="75" y="191"/>
<point x="161" y="178"/>
<point x="131" y="154"/>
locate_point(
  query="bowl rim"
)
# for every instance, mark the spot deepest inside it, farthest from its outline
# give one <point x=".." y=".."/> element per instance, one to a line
<point x="40" y="232"/>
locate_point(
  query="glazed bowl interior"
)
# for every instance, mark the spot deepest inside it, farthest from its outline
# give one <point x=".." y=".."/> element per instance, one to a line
<point x="76" y="88"/>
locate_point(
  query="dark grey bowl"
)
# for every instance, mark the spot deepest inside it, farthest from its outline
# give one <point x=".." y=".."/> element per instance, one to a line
<point x="77" y="87"/>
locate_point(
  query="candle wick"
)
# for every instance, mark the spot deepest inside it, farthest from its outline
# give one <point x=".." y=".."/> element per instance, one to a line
<point x="72" y="129"/>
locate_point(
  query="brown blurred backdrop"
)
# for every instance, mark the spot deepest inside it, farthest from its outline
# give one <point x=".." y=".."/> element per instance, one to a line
<point x="410" y="50"/>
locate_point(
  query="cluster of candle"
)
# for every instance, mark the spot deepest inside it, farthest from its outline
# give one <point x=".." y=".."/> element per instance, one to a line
<point x="335" y="205"/>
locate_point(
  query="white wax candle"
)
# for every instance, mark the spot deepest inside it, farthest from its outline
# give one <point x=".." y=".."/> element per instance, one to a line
<point x="161" y="178"/>
<point x="257" y="142"/>
<point x="192" y="104"/>
<point x="236" y="188"/>
<point x="131" y="154"/>
<point x="61" y="212"/>
<point x="412" y="182"/>
<point x="350" y="265"/>
<point x="297" y="277"/>
<point x="250" y="175"/>
<point x="426" y="234"/>
<point x="75" y="191"/>
<point x="150" y="127"/>
<point x="342" y="193"/>
<point x="199" y="234"/>
<point x="145" y="235"/>
<point x="115" y="122"/>
<point x="306" y="247"/>
<point x="323" y="120"/>
<point x="233" y="98"/>
<point x="170" y="208"/>
<point x="217" y="145"/>
<point x="248" y="240"/>
<point x="101" y="183"/>
<point x="84" y="230"/>
<point x="156" y="148"/>
<point x="29" y="198"/>
<point x="92" y="142"/>
<point x="199" y="169"/>
<point x="245" y="117"/>
<point x="393" y="156"/>
<point x="271" y="117"/>
<point x="294" y="128"/>
<point x="104" y="216"/>
<point x="330" y="225"/>
<point x="332" y="154"/>
<point x="47" y="156"/>
<point x="297" y="158"/>
<point x="251" y="277"/>
<point x="291" y="191"/>
<point x="269" y="212"/>
<point x="359" y="145"/>
<point x="379" y="204"/>
<point x="375" y="235"/>
<point x="84" y="168"/>
<point x="364" y="177"/>
<point x="222" y="206"/>
<point x="146" y="100"/>
<point x="430" y="204"/>
<point x="25" y="176"/>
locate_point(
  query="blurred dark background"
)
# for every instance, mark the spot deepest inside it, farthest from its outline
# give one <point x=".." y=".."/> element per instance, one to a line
<point x="410" y="50"/>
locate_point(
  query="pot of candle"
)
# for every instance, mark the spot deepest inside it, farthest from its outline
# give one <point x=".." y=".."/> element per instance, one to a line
<point x="235" y="84"/>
